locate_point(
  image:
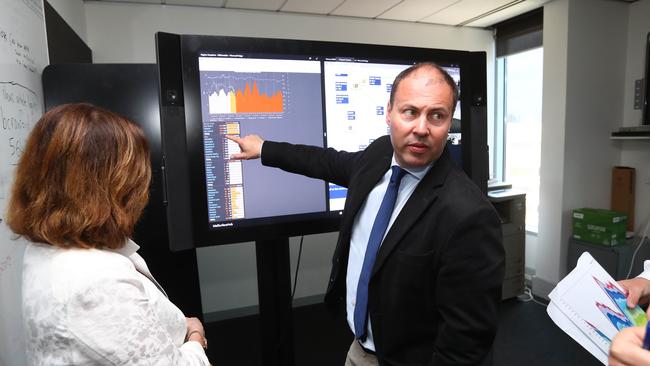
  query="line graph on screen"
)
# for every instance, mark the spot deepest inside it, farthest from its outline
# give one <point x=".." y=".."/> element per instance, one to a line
<point x="232" y="92"/>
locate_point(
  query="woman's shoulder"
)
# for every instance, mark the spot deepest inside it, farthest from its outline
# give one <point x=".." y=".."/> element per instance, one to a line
<point x="73" y="267"/>
<point x="71" y="258"/>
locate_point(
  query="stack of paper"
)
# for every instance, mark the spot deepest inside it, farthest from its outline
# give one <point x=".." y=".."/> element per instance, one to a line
<point x="591" y="307"/>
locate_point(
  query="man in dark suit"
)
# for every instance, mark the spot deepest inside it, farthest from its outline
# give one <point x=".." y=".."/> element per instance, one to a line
<point x="427" y="294"/>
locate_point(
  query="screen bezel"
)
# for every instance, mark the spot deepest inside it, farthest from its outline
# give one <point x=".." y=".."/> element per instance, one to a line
<point x="472" y="95"/>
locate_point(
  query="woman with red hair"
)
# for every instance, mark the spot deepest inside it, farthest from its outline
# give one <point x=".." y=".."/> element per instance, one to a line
<point x="88" y="297"/>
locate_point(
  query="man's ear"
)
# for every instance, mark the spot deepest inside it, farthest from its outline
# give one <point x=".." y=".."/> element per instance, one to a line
<point x="388" y="106"/>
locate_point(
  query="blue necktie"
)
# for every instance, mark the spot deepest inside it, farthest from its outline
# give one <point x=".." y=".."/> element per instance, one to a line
<point x="376" y="237"/>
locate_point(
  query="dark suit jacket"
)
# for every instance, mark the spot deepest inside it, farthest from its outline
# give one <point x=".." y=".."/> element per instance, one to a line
<point x="436" y="282"/>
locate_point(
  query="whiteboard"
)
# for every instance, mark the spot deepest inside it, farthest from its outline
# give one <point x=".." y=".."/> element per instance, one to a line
<point x="23" y="55"/>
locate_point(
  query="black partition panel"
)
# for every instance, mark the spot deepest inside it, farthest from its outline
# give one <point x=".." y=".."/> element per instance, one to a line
<point x="132" y="91"/>
<point x="63" y="44"/>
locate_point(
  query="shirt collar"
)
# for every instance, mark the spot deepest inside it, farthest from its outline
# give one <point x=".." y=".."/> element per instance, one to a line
<point x="418" y="173"/>
<point x="129" y="248"/>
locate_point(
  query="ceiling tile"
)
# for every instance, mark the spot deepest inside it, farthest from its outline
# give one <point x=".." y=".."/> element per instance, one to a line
<point x="414" y="10"/>
<point x="364" y="8"/>
<point x="464" y="10"/>
<point x="449" y="12"/>
<point x="254" y="4"/>
<point x="134" y="1"/>
<point x="311" y="6"/>
<point x="208" y="3"/>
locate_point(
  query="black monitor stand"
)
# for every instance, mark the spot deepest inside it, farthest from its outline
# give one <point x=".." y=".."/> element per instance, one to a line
<point x="274" y="289"/>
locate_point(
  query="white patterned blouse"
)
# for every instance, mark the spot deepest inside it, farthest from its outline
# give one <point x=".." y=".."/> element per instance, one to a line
<point x="100" y="307"/>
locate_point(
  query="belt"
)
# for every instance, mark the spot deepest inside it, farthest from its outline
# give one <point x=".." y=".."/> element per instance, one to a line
<point x="371" y="352"/>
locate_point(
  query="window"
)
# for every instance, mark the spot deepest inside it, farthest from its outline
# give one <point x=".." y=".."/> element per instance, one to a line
<point x="517" y="132"/>
<point x="521" y="104"/>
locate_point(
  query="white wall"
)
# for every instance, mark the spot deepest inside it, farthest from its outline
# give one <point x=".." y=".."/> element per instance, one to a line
<point x="582" y="104"/>
<point x="556" y="25"/>
<point x="124" y="33"/>
<point x="638" y="28"/>
<point x="637" y="153"/>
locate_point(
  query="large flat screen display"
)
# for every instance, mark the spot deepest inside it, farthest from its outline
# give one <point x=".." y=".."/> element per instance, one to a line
<point x="332" y="95"/>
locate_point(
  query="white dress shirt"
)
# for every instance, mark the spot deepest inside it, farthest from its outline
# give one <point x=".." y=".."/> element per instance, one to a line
<point x="100" y="307"/>
<point x="646" y="270"/>
<point x="361" y="233"/>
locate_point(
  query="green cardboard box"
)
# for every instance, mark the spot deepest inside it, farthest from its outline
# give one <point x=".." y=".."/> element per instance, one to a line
<point x="599" y="226"/>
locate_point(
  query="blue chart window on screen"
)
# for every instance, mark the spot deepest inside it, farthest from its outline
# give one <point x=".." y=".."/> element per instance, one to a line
<point x="356" y="97"/>
<point x="328" y="102"/>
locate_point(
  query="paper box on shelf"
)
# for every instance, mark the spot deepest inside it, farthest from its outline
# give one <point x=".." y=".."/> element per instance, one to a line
<point x="599" y="226"/>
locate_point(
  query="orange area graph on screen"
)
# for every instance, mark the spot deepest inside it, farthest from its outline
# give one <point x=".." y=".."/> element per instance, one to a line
<point x="250" y="100"/>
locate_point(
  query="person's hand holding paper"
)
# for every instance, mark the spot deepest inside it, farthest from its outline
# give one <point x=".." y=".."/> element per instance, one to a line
<point x="630" y="347"/>
<point x="638" y="291"/>
<point x="591" y="307"/>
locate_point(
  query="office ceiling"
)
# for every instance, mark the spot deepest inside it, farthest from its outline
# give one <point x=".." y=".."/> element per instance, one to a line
<point x="461" y="13"/>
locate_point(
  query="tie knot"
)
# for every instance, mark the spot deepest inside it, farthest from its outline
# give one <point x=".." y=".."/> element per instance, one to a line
<point x="397" y="174"/>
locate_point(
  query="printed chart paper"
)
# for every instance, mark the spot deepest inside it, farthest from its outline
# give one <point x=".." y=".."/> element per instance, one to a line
<point x="590" y="306"/>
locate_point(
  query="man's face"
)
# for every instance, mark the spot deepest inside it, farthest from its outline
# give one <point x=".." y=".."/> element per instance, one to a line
<point x="420" y="118"/>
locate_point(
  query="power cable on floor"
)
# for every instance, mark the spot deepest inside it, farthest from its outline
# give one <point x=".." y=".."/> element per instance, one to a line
<point x="528" y="296"/>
